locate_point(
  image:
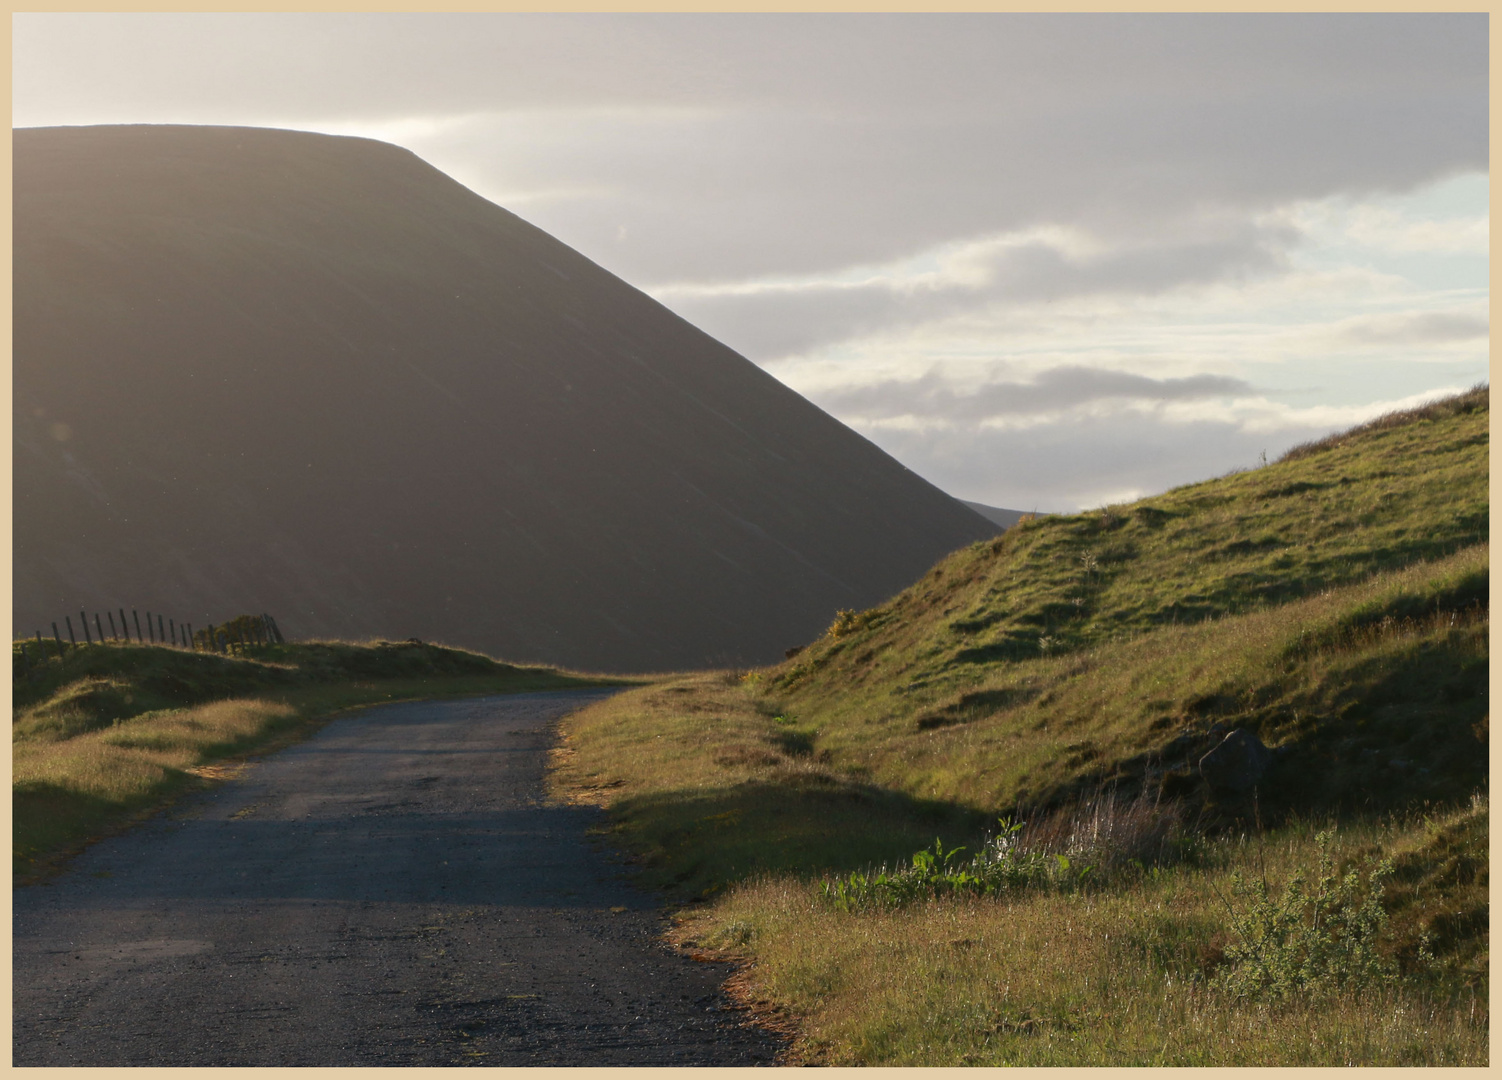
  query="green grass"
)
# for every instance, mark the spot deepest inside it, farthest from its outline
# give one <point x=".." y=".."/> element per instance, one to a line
<point x="107" y="733"/>
<point x="1070" y="674"/>
<point x="997" y="623"/>
<point x="1121" y="975"/>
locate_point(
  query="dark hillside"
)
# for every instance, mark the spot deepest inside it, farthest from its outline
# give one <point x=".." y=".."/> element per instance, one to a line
<point x="266" y="370"/>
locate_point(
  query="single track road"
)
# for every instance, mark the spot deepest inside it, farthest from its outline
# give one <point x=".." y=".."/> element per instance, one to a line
<point x="393" y="891"/>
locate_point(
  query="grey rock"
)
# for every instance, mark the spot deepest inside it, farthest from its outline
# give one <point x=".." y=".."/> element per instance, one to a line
<point x="1236" y="765"/>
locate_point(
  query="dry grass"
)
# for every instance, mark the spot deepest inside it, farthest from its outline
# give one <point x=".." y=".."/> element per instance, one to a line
<point x="1107" y="978"/>
<point x="1312" y="673"/>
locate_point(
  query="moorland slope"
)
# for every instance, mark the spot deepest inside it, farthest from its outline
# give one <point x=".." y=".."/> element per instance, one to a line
<point x="271" y="370"/>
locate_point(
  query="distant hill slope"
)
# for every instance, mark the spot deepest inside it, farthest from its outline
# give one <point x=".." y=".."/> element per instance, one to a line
<point x="1005" y="518"/>
<point x="261" y="370"/>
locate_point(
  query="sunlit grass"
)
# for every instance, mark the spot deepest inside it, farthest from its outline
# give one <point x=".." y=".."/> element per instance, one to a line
<point x="1119" y="976"/>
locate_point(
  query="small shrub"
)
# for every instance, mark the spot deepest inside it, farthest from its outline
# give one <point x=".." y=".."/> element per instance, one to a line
<point x="1308" y="943"/>
<point x="847" y="622"/>
<point x="1002" y="865"/>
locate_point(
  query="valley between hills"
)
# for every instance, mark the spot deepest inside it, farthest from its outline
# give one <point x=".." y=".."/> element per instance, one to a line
<point x="1198" y="780"/>
<point x="975" y="824"/>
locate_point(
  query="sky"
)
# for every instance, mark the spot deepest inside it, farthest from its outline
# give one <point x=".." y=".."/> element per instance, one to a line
<point x="1049" y="262"/>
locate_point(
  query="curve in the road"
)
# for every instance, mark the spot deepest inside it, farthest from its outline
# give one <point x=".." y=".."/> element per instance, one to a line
<point x="393" y="891"/>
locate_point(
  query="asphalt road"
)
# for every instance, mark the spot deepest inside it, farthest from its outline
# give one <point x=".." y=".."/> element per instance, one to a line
<point x="391" y="892"/>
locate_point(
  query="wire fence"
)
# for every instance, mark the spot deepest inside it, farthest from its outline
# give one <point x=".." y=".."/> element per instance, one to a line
<point x="228" y="638"/>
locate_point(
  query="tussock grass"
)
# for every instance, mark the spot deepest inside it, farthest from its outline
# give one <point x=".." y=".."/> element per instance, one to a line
<point x="1070" y="675"/>
<point x="110" y="732"/>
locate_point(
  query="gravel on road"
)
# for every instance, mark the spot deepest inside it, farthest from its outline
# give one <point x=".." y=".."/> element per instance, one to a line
<point x="393" y="891"/>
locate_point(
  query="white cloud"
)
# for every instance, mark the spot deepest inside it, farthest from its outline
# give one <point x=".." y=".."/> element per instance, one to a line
<point x="1113" y="452"/>
<point x="1380" y="227"/>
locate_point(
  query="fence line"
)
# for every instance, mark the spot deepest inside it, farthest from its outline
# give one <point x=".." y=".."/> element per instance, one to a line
<point x="237" y="635"/>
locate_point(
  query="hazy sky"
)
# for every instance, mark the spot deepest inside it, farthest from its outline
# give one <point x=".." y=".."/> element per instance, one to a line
<point x="1047" y="261"/>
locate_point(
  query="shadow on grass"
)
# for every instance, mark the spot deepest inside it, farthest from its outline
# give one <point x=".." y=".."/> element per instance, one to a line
<point x="697" y="842"/>
<point x="51" y="821"/>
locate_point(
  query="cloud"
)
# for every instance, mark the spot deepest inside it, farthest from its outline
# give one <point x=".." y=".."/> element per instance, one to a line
<point x="736" y="147"/>
<point x="767" y="320"/>
<point x="1042" y="259"/>
<point x="1090" y="455"/>
<point x="1380" y="227"/>
<point x="1061" y="389"/>
<point x="1410" y="328"/>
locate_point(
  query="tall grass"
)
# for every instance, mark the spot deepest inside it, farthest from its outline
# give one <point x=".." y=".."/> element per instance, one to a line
<point x="1119" y="976"/>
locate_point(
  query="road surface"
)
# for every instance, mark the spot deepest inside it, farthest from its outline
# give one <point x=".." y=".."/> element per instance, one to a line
<point x="391" y="892"/>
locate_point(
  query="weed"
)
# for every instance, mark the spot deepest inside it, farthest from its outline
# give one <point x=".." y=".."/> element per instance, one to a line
<point x="1002" y="865"/>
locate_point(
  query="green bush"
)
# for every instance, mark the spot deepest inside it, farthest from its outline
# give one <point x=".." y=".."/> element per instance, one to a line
<point x="1304" y="942"/>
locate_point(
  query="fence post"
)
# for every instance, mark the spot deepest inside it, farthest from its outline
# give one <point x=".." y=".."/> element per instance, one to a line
<point x="150" y="630"/>
<point x="136" y="617"/>
<point x="188" y="627"/>
<point x="277" y="630"/>
<point x="85" y="620"/>
<point x="113" y="633"/>
<point x="124" y="629"/>
<point x="161" y="632"/>
<point x="98" y="627"/>
<point x="72" y="640"/>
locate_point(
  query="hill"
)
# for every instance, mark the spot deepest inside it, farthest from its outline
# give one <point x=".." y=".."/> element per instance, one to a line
<point x="1005" y="518"/>
<point x="275" y="371"/>
<point x="1069" y="677"/>
<point x="1002" y="644"/>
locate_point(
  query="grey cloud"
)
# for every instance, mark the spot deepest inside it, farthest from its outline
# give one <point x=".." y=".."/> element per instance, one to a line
<point x="800" y="143"/>
<point x="1057" y="389"/>
<point x="376" y="64"/>
<point x="773" y="323"/>
<point x="1425" y="328"/>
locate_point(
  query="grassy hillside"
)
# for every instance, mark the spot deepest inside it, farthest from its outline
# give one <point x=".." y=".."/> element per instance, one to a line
<point x="1368" y="538"/>
<point x="1070" y="675"/>
<point x="106" y="733"/>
